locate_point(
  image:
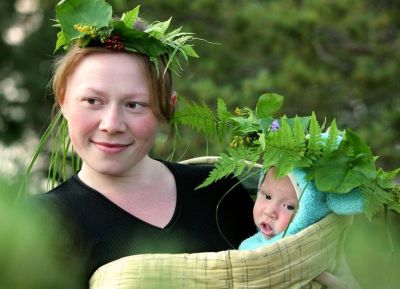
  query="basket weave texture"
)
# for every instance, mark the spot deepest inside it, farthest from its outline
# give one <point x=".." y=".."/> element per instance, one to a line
<point x="292" y="262"/>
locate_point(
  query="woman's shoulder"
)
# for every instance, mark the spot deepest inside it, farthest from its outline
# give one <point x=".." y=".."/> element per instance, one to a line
<point x="60" y="196"/>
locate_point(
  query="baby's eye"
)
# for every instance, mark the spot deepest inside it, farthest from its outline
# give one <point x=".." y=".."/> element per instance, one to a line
<point x="268" y="197"/>
<point x="290" y="207"/>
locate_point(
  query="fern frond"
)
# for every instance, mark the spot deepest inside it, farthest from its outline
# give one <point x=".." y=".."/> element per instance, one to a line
<point x="242" y="154"/>
<point x="223" y="116"/>
<point x="332" y="141"/>
<point x="314" y="146"/>
<point x="234" y="163"/>
<point x="225" y="166"/>
<point x="222" y="110"/>
<point x="374" y="199"/>
<point x="197" y="116"/>
<point x="283" y="150"/>
<point x="395" y="205"/>
<point x="385" y="179"/>
<point x="299" y="137"/>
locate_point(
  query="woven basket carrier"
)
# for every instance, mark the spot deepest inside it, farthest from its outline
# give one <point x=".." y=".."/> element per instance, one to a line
<point x="291" y="262"/>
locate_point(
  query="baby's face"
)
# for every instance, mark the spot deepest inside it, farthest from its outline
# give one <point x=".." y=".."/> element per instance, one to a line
<point x="275" y="204"/>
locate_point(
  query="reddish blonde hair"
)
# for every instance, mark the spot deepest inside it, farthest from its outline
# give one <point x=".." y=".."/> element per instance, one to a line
<point x="160" y="85"/>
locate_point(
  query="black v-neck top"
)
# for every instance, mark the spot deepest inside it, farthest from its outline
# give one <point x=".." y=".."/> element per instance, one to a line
<point x="102" y="232"/>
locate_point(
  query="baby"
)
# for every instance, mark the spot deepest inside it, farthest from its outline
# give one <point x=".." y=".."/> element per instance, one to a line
<point x="279" y="207"/>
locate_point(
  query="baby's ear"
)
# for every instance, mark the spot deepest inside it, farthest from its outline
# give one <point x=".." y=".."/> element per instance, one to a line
<point x="346" y="204"/>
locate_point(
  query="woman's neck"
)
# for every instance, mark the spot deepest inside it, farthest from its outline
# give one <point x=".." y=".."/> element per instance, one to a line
<point x="148" y="192"/>
<point x="141" y="176"/>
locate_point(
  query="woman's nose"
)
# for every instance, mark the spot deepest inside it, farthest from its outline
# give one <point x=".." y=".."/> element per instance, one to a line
<point x="112" y="121"/>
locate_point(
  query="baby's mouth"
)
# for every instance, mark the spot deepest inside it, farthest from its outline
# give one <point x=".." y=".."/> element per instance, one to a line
<point x="267" y="230"/>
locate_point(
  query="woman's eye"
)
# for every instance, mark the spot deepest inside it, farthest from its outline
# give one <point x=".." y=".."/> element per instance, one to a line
<point x="91" y="100"/>
<point x="134" y="105"/>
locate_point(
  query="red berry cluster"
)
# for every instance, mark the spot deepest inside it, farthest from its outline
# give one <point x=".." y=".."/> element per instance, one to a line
<point x="114" y="42"/>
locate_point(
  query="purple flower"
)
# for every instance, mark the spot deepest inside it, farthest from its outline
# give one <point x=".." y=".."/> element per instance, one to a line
<point x="275" y="125"/>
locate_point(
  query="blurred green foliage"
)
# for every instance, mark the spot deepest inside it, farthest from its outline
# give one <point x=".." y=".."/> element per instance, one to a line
<point x="339" y="58"/>
<point x="370" y="255"/>
<point x="27" y="247"/>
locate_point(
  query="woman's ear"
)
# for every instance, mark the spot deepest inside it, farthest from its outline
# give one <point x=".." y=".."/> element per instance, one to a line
<point x="172" y="103"/>
<point x="174" y="99"/>
<point x="61" y="108"/>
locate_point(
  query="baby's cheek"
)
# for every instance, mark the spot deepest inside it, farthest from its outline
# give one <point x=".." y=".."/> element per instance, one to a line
<point x="286" y="220"/>
<point x="257" y="210"/>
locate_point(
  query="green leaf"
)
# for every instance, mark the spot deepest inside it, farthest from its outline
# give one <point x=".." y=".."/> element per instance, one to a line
<point x="299" y="137"/>
<point x="268" y="104"/>
<point x="364" y="161"/>
<point x="170" y="36"/>
<point x="225" y="166"/>
<point x="332" y="141"/>
<point x="61" y="41"/>
<point x="223" y="116"/>
<point x="332" y="172"/>
<point x="395" y="207"/>
<point x="197" y="116"/>
<point x="222" y="111"/>
<point x="337" y="174"/>
<point x="158" y="29"/>
<point x="232" y="163"/>
<point x="265" y="123"/>
<point x="138" y="41"/>
<point x="283" y="150"/>
<point x="304" y="121"/>
<point x="189" y="51"/>
<point x="314" y="146"/>
<point x="386" y="179"/>
<point x="261" y="139"/>
<point x="129" y="18"/>
<point x="374" y="199"/>
<point x="245" y="125"/>
<point x="87" y="12"/>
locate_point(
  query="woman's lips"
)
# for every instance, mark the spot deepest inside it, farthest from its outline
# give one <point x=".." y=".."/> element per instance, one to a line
<point x="111" y="148"/>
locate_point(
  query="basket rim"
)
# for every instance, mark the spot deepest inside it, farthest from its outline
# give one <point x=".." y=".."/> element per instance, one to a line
<point x="213" y="160"/>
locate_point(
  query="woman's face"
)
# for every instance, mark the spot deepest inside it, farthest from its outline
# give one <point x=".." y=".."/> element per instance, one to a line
<point x="107" y="106"/>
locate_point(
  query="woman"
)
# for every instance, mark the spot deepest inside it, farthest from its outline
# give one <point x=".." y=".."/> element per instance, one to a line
<point x="123" y="202"/>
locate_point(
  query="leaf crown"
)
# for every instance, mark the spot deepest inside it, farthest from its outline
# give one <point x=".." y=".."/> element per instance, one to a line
<point x="337" y="161"/>
<point x="91" y="23"/>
